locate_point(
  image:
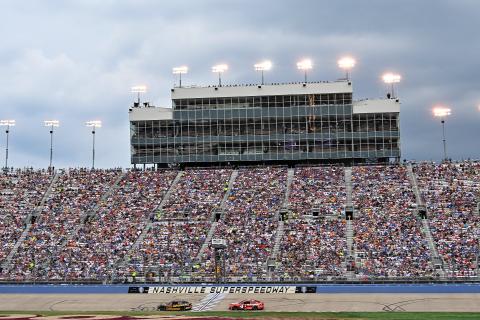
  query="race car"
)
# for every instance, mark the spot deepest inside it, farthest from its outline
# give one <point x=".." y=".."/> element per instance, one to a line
<point x="175" y="306"/>
<point x="247" y="305"/>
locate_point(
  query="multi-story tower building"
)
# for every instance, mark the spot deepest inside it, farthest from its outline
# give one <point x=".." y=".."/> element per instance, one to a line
<point x="314" y="122"/>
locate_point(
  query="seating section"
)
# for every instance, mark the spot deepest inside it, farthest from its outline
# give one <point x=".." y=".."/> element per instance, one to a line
<point x="387" y="230"/>
<point x="451" y="192"/>
<point x="172" y="244"/>
<point x="74" y="194"/>
<point x="250" y="221"/>
<point x="20" y="193"/>
<point x="197" y="194"/>
<point x="110" y="225"/>
<point x="314" y="249"/>
<point x="320" y="188"/>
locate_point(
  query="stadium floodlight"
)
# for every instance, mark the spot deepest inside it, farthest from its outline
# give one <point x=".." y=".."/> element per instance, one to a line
<point x="51" y="124"/>
<point x="8" y="124"/>
<point x="93" y="124"/>
<point x="347" y="64"/>
<point x="390" y="79"/>
<point x="442" y="112"/>
<point x="180" y="70"/>
<point x="263" y="66"/>
<point x="305" y="65"/>
<point x="219" y="68"/>
<point x="139" y="89"/>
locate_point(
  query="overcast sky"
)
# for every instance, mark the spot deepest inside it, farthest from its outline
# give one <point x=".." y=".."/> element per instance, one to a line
<point x="76" y="60"/>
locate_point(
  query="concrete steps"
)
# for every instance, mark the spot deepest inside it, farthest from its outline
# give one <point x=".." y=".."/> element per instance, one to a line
<point x="278" y="239"/>
<point x="350" y="251"/>
<point x="290" y="175"/>
<point x="436" y="260"/>
<point x="220" y="210"/>
<point x="207" y="241"/>
<point x="169" y="192"/>
<point x="348" y="186"/>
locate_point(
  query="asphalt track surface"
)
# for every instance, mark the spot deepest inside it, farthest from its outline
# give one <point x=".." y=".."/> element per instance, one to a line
<point x="452" y="302"/>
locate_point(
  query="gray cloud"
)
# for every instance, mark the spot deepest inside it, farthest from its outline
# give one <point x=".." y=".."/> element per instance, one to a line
<point x="75" y="61"/>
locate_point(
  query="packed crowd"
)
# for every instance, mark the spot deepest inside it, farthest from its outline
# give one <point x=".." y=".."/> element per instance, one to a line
<point x="20" y="193"/>
<point x="321" y="188"/>
<point x="105" y="239"/>
<point x="387" y="230"/>
<point x="90" y="223"/>
<point x="250" y="221"/>
<point x="74" y="193"/>
<point x="452" y="193"/>
<point x="197" y="194"/>
<point x="169" y="249"/>
<point x="312" y="249"/>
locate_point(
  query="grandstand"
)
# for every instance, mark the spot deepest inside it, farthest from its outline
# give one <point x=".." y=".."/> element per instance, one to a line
<point x="305" y="223"/>
<point x="275" y="183"/>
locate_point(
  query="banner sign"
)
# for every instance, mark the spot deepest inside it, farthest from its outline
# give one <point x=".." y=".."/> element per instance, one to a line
<point x="219" y="289"/>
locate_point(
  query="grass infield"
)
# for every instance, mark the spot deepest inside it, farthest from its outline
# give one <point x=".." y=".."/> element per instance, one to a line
<point x="271" y="315"/>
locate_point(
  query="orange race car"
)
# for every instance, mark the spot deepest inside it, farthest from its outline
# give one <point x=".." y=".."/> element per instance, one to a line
<point x="247" y="305"/>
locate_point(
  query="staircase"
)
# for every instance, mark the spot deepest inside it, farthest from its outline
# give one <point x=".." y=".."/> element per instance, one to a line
<point x="221" y="209"/>
<point x="207" y="241"/>
<point x="95" y="209"/>
<point x="436" y="260"/>
<point x="350" y="251"/>
<point x="290" y="174"/>
<point x="271" y="260"/>
<point x="350" y="256"/>
<point x="233" y="176"/>
<point x="348" y="186"/>
<point x="169" y="192"/>
<point x="416" y="190"/>
<point x="278" y="239"/>
<point x="28" y="222"/>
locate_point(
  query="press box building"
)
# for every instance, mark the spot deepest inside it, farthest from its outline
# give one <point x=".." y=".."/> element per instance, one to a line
<point x="314" y="122"/>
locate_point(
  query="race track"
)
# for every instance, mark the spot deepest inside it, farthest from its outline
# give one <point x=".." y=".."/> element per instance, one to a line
<point x="335" y="302"/>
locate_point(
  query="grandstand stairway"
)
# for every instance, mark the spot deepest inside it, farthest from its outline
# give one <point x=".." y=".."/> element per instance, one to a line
<point x="348" y="186"/>
<point x="221" y="211"/>
<point x="290" y="174"/>
<point x="436" y="260"/>
<point x="278" y="239"/>
<point x="95" y="209"/>
<point x="28" y="222"/>
<point x="416" y="190"/>
<point x="350" y="256"/>
<point x="271" y="260"/>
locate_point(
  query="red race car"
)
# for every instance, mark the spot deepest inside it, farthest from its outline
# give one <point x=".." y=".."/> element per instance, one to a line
<point x="247" y="305"/>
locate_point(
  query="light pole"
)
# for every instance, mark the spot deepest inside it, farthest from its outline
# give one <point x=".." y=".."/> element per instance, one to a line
<point x="93" y="124"/>
<point x="305" y="65"/>
<point x="180" y="70"/>
<point x="139" y="89"/>
<point x="442" y="113"/>
<point x="51" y="124"/>
<point x="263" y="66"/>
<point x="8" y="124"/>
<point x="390" y="79"/>
<point x="219" y="68"/>
<point x="347" y="64"/>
